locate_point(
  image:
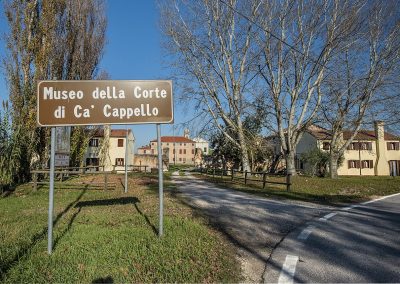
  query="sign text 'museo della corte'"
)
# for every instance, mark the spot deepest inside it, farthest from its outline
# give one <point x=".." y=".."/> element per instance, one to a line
<point x="104" y="102"/>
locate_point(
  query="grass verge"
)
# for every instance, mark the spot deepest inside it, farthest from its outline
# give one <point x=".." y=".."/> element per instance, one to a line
<point x="108" y="236"/>
<point x="314" y="189"/>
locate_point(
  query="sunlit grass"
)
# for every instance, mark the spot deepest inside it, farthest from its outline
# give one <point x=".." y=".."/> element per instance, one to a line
<point x="109" y="236"/>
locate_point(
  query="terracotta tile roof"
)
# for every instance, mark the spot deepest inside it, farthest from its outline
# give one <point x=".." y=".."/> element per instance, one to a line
<point x="114" y="133"/>
<point x="174" y="139"/>
<point x="324" y="134"/>
<point x="368" y="135"/>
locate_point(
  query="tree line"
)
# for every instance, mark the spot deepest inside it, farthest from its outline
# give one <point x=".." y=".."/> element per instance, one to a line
<point x="47" y="40"/>
<point x="294" y="63"/>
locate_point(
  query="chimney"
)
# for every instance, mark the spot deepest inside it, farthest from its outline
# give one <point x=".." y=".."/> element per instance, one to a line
<point x="379" y="130"/>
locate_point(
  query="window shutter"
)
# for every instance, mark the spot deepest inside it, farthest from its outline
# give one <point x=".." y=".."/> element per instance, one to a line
<point x="371" y="164"/>
<point x="388" y="145"/>
<point x="349" y="164"/>
<point x="362" y="163"/>
<point x="357" y="164"/>
<point x="369" y="146"/>
<point x="397" y="146"/>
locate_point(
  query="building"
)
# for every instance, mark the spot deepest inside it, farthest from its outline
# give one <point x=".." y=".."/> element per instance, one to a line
<point x="372" y="152"/>
<point x="178" y="149"/>
<point x="113" y="158"/>
<point x="202" y="144"/>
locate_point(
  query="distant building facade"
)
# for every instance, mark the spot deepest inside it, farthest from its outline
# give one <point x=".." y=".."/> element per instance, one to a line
<point x="372" y="152"/>
<point x="113" y="155"/>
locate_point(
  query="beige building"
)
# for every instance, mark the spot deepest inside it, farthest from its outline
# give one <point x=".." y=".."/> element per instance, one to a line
<point x="114" y="157"/>
<point x="372" y="152"/>
<point x="179" y="149"/>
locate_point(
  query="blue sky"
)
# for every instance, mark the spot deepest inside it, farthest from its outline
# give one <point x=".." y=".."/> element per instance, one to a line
<point x="133" y="52"/>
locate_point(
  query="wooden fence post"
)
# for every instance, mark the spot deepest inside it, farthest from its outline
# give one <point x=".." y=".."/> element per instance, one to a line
<point x="264" y="179"/>
<point x="35" y="179"/>
<point x="288" y="181"/>
<point x="105" y="181"/>
<point x="245" y="177"/>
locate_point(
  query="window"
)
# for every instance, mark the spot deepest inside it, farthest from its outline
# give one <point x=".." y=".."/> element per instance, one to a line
<point x="360" y="146"/>
<point x="205" y="150"/>
<point x="367" y="164"/>
<point x="184" y="151"/>
<point x="193" y="151"/>
<point x="184" y="160"/>
<point x="326" y="145"/>
<point x="193" y="144"/>
<point x="167" y="144"/>
<point x="120" y="142"/>
<point x="192" y="159"/>
<point x="184" y="144"/>
<point x="145" y="151"/>
<point x="180" y="144"/>
<point x="152" y="151"/>
<point x="180" y="151"/>
<point x="180" y="159"/>
<point x="354" y="164"/>
<point x="94" y="142"/>
<point x="393" y="145"/>
<point x="119" y="161"/>
<point x="173" y="151"/>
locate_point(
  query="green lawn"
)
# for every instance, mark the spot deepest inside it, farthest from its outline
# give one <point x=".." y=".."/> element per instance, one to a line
<point x="323" y="190"/>
<point x="109" y="236"/>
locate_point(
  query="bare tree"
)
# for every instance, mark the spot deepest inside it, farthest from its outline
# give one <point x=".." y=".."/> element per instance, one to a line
<point x="48" y="39"/>
<point x="213" y="53"/>
<point x="368" y="67"/>
<point x="299" y="40"/>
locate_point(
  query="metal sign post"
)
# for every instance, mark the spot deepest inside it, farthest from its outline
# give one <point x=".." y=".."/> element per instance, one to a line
<point x="126" y="160"/>
<point x="51" y="192"/>
<point x="160" y="179"/>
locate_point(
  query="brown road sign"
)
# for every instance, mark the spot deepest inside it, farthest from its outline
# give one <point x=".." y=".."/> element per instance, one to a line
<point x="104" y="102"/>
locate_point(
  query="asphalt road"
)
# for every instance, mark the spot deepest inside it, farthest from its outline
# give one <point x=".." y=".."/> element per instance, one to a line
<point x="352" y="245"/>
<point x="253" y="224"/>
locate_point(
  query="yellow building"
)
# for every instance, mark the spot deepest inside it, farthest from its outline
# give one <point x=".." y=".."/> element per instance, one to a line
<point x="114" y="159"/>
<point x="372" y="152"/>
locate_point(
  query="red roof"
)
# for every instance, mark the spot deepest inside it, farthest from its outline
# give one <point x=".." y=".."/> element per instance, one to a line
<point x="324" y="134"/>
<point x="114" y="133"/>
<point x="174" y="139"/>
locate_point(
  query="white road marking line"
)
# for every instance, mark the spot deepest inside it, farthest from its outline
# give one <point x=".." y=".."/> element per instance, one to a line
<point x="288" y="269"/>
<point x="378" y="199"/>
<point x="305" y="233"/>
<point x="326" y="217"/>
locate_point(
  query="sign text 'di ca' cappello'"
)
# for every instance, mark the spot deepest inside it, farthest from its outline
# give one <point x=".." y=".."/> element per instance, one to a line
<point x="104" y="102"/>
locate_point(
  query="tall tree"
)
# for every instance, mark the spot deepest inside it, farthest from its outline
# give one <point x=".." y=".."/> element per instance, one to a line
<point x="211" y="48"/>
<point x="48" y="39"/>
<point x="368" y="65"/>
<point x="299" y="40"/>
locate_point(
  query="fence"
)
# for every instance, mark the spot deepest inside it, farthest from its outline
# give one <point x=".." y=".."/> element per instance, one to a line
<point x="246" y="176"/>
<point x="68" y="171"/>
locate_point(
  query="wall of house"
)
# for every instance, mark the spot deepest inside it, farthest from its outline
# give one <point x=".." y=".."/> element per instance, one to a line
<point x="181" y="158"/>
<point x="119" y="152"/>
<point x="357" y="155"/>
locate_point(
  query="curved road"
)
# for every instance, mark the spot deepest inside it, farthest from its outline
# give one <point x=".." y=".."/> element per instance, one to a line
<point x="360" y="243"/>
<point x="253" y="224"/>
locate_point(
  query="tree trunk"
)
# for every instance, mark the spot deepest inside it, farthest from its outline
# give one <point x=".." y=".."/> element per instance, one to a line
<point x="290" y="164"/>
<point x="333" y="165"/>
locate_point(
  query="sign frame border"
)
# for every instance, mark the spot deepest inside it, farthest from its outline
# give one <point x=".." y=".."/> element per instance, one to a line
<point x="114" y="123"/>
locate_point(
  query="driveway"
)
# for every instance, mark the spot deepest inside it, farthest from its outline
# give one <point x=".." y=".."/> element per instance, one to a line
<point x="253" y="224"/>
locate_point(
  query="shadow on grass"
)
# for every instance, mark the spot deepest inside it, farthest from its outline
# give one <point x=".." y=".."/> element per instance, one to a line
<point x="118" y="201"/>
<point x="107" y="279"/>
<point x="25" y="250"/>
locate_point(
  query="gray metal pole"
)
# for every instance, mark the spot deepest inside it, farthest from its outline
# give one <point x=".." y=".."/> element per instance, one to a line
<point x="51" y="192"/>
<point x="160" y="179"/>
<point x="126" y="161"/>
